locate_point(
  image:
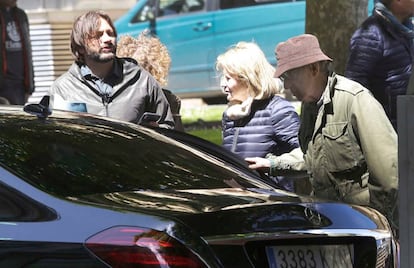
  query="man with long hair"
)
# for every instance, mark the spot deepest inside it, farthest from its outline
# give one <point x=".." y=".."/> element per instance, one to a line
<point x="108" y="85"/>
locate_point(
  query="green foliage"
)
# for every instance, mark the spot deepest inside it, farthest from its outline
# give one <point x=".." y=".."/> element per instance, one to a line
<point x="205" y="113"/>
<point x="210" y="134"/>
<point x="203" y="121"/>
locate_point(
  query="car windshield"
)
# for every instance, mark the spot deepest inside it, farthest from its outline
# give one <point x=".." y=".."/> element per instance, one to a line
<point x="69" y="158"/>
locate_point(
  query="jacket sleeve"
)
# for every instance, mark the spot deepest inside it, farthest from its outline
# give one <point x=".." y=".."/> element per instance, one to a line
<point x="290" y="164"/>
<point x="160" y="104"/>
<point x="285" y="122"/>
<point x="366" y="48"/>
<point x="379" y="143"/>
<point x="290" y="161"/>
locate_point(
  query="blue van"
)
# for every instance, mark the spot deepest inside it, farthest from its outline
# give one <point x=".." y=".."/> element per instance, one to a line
<point x="197" y="31"/>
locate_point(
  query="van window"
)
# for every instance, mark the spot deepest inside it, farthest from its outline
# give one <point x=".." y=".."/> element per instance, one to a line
<point x="143" y="14"/>
<point x="205" y="24"/>
<point x="227" y="4"/>
<point x="169" y="7"/>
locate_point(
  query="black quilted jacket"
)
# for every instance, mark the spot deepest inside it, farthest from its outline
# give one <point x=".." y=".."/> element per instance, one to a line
<point x="271" y="127"/>
<point x="381" y="60"/>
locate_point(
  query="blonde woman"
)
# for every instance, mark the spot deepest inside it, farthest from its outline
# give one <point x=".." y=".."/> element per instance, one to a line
<point x="154" y="57"/>
<point x="258" y="121"/>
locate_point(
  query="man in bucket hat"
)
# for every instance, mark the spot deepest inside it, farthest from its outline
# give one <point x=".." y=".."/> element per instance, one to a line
<point x="349" y="145"/>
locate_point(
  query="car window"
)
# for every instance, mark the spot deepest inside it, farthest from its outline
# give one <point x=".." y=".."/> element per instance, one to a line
<point x="16" y="207"/>
<point x="227" y="4"/>
<point x="70" y="159"/>
<point x="168" y="8"/>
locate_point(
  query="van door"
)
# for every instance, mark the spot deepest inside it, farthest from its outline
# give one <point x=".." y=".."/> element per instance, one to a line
<point x="265" y="22"/>
<point x="186" y="29"/>
<point x="189" y="38"/>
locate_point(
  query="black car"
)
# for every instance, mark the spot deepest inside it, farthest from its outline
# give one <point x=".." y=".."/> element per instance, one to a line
<point x="79" y="190"/>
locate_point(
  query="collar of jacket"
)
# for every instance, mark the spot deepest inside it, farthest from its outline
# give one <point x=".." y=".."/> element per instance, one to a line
<point x="326" y="106"/>
<point x="314" y="118"/>
<point x="406" y="28"/>
<point x="113" y="78"/>
<point x="329" y="89"/>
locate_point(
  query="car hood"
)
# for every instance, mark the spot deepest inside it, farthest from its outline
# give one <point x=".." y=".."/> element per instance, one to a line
<point x="241" y="210"/>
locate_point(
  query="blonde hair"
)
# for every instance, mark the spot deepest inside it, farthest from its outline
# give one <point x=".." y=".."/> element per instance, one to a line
<point x="149" y="52"/>
<point x="247" y="62"/>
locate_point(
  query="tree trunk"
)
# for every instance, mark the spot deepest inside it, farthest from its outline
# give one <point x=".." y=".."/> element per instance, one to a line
<point x="334" y="22"/>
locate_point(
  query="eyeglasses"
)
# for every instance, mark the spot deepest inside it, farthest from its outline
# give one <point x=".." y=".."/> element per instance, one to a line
<point x="284" y="76"/>
<point x="290" y="74"/>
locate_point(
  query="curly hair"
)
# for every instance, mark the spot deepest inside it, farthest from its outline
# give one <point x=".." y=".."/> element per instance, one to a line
<point x="126" y="46"/>
<point x="149" y="52"/>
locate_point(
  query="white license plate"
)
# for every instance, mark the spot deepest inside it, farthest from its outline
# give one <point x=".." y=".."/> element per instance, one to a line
<point x="310" y="256"/>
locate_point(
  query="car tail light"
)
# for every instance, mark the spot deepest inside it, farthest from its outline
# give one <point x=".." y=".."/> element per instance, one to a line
<point x="140" y="247"/>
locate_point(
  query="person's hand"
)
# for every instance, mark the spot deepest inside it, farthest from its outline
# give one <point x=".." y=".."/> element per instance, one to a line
<point x="258" y="163"/>
<point x="153" y="124"/>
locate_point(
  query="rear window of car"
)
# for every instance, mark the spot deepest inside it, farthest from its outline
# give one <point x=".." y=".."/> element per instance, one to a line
<point x="70" y="159"/>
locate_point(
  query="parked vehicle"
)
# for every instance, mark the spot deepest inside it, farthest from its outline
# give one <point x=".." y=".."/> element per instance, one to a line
<point x="197" y="31"/>
<point x="78" y="190"/>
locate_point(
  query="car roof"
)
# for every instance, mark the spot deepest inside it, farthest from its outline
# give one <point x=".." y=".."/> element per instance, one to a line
<point x="99" y="147"/>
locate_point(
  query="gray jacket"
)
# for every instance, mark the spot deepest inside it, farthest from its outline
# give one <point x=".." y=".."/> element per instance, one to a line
<point x="134" y="92"/>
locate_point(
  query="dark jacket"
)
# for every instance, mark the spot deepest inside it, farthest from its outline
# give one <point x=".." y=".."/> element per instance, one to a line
<point x="23" y="25"/>
<point x="175" y="106"/>
<point x="271" y="127"/>
<point x="381" y="59"/>
<point x="136" y="92"/>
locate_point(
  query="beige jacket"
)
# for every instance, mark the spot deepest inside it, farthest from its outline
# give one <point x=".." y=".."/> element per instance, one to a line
<point x="353" y="148"/>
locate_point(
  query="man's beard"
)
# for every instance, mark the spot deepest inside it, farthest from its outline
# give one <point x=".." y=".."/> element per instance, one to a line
<point x="100" y="57"/>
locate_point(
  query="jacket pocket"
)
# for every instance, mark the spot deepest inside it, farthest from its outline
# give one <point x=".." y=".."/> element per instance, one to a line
<point x="341" y="150"/>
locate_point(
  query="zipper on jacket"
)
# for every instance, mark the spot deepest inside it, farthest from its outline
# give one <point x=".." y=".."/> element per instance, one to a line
<point x="105" y="97"/>
<point x="105" y="101"/>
